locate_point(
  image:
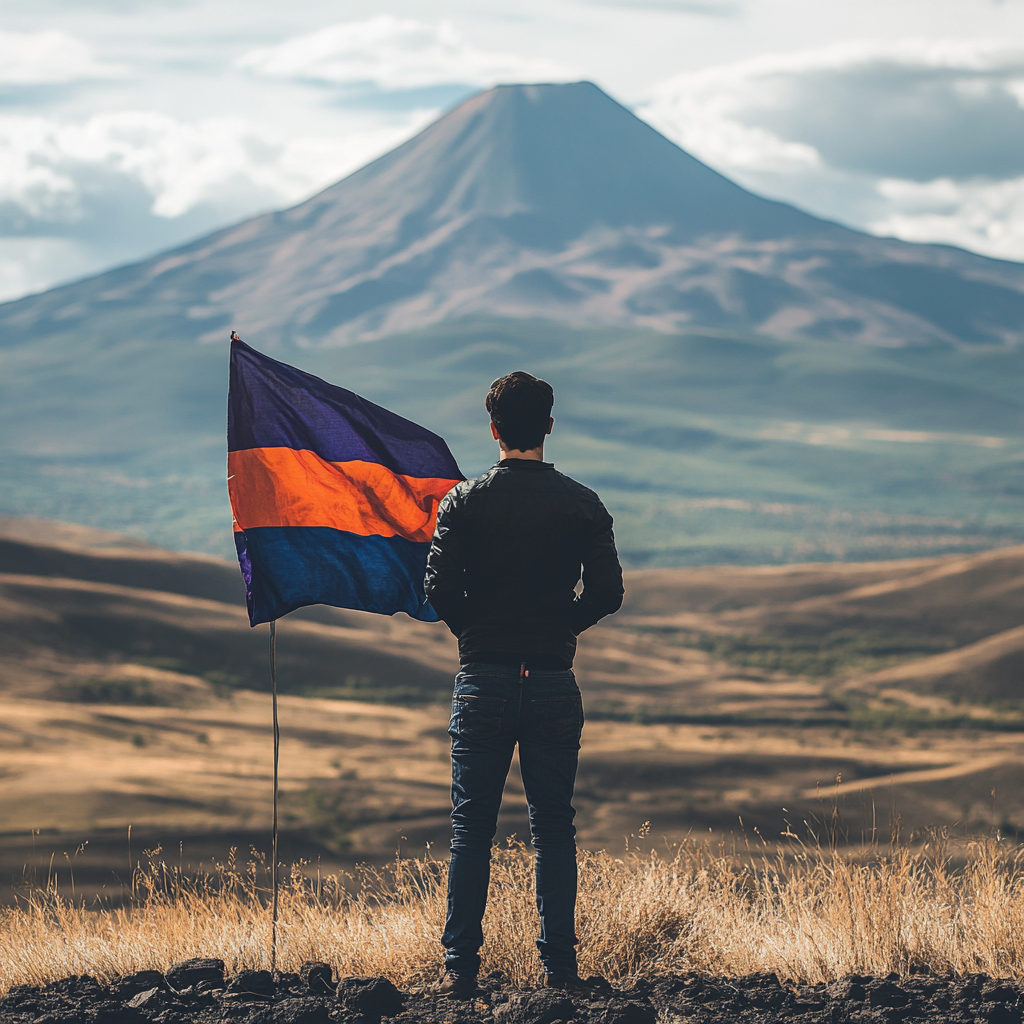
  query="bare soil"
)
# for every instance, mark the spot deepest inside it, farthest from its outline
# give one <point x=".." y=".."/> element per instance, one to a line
<point x="197" y="992"/>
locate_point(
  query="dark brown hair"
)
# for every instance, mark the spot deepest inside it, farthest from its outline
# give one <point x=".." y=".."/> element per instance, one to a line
<point x="520" y="407"/>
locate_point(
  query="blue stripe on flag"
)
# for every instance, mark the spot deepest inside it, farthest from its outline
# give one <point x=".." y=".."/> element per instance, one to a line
<point x="288" y="567"/>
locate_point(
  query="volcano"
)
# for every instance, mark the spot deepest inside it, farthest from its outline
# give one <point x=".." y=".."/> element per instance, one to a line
<point x="740" y="380"/>
<point x="549" y="201"/>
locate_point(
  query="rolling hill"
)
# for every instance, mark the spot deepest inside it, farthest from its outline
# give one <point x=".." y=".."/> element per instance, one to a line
<point x="106" y="619"/>
<point x="132" y="691"/>
<point x="744" y="382"/>
<point x="93" y="617"/>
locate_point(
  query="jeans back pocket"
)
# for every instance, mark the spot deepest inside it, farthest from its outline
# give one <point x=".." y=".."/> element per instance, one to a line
<point x="555" y="720"/>
<point x="476" y="718"/>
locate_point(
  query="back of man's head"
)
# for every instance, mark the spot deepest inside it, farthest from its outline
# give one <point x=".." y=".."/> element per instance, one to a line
<point x="520" y="408"/>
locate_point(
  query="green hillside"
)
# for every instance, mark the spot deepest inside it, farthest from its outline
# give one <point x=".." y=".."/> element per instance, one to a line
<point x="708" y="446"/>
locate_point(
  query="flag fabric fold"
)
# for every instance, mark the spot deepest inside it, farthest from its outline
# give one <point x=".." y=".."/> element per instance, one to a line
<point x="333" y="498"/>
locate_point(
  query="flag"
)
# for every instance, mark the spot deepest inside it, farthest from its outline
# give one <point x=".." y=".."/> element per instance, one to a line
<point x="334" y="499"/>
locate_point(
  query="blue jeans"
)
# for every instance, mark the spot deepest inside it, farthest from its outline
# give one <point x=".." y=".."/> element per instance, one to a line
<point x="494" y="708"/>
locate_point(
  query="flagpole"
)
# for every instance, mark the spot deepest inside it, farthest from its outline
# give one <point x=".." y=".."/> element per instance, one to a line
<point x="277" y="749"/>
<point x="261" y="392"/>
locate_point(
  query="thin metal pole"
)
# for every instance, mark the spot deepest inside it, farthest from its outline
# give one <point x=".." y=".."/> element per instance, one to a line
<point x="277" y="750"/>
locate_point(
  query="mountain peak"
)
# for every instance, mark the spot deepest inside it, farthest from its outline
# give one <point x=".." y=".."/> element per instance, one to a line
<point x="552" y="201"/>
<point x="553" y="161"/>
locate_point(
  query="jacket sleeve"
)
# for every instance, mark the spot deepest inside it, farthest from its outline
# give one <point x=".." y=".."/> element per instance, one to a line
<point x="444" y="583"/>
<point x="602" y="577"/>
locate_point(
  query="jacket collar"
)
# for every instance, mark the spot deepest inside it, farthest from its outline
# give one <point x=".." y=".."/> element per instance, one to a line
<point x="527" y="465"/>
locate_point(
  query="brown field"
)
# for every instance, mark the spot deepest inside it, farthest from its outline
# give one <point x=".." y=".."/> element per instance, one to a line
<point x="726" y="699"/>
<point x="811" y="915"/>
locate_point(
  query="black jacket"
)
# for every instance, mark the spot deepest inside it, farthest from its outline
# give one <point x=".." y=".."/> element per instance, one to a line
<point x="506" y="559"/>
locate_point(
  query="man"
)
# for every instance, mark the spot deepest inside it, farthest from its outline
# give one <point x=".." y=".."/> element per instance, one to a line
<point x="503" y="573"/>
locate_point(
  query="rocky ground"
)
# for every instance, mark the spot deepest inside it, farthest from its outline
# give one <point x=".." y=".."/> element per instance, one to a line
<point x="197" y="992"/>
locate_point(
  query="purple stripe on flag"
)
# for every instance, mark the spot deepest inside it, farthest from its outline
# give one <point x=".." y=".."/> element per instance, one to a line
<point x="274" y="405"/>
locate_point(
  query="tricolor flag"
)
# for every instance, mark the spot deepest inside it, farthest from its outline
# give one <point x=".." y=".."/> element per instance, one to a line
<point x="334" y="498"/>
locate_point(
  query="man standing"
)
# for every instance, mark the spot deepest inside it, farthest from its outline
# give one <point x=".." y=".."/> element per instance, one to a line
<point x="503" y="573"/>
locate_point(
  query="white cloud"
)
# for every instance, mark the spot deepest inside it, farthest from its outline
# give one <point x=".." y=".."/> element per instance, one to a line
<point x="699" y="112"/>
<point x="919" y="139"/>
<point x="77" y="198"/>
<point x="44" y="58"/>
<point x="49" y="169"/>
<point x="712" y="9"/>
<point x="716" y="112"/>
<point x="985" y="216"/>
<point x="393" y="53"/>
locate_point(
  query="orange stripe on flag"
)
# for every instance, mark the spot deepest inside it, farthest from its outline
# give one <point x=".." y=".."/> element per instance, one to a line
<point x="288" y="487"/>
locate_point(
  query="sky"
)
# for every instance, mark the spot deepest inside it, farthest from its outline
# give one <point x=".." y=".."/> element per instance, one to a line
<point x="130" y="126"/>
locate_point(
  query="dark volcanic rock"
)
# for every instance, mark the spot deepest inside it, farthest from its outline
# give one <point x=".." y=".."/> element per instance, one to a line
<point x="141" y="981"/>
<point x="318" y="976"/>
<point x="151" y="999"/>
<point x="886" y="993"/>
<point x="630" y="1012"/>
<point x="254" y="985"/>
<point x="111" y="1012"/>
<point x="999" y="992"/>
<point x="542" y="1007"/>
<point x="81" y="986"/>
<point x="849" y="989"/>
<point x="188" y="973"/>
<point x="301" y="1011"/>
<point x="256" y="997"/>
<point x="763" y="991"/>
<point x="1001" y="1004"/>
<point x="21" y="996"/>
<point x="371" y="998"/>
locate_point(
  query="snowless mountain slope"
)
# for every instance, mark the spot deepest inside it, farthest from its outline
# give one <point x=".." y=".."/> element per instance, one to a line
<point x="550" y="201"/>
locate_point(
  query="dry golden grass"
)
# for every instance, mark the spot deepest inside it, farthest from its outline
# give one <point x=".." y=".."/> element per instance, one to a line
<point x="808" y="914"/>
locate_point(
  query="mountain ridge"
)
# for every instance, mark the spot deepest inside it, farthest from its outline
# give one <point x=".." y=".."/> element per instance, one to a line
<point x="740" y="380"/>
<point x="552" y="201"/>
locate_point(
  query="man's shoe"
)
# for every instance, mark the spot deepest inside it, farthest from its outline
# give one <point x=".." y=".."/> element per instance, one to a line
<point x="456" y="986"/>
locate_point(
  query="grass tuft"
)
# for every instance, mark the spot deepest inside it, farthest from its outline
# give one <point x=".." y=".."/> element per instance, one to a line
<point x="808" y="914"/>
